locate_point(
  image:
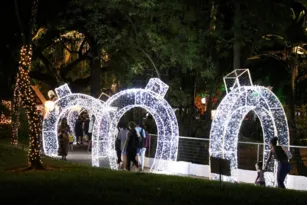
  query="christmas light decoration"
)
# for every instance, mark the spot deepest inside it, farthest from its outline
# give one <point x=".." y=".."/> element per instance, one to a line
<point x="72" y="116"/>
<point x="243" y="97"/>
<point x="151" y="99"/>
<point x="67" y="105"/>
<point x="6" y="119"/>
<point x="24" y="95"/>
<point x="15" y="113"/>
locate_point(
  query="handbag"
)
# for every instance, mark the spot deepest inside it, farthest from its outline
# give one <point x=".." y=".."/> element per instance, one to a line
<point x="287" y="152"/>
<point x="70" y="137"/>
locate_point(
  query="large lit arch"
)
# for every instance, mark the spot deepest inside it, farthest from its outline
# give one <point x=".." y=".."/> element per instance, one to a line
<point x="67" y="101"/>
<point x="151" y="99"/>
<point x="242" y="97"/>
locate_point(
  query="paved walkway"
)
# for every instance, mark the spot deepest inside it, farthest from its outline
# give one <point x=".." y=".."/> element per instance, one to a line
<point x="81" y="155"/>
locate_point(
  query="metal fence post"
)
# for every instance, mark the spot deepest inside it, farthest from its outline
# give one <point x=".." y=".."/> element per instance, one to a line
<point x="257" y="152"/>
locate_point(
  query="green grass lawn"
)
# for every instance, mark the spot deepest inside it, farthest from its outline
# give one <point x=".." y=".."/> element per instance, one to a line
<point x="79" y="184"/>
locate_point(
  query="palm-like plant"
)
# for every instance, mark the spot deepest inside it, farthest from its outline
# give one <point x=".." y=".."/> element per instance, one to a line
<point x="293" y="56"/>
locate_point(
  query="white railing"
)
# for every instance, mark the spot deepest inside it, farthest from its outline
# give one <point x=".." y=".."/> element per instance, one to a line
<point x="196" y="151"/>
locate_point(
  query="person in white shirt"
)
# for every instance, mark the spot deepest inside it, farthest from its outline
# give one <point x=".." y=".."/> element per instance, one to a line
<point x="142" y="149"/>
<point x="90" y="131"/>
<point x="260" y="175"/>
<point x="122" y="136"/>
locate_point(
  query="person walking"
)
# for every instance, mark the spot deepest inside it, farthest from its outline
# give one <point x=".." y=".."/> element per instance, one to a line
<point x="131" y="146"/>
<point x="283" y="165"/>
<point x="78" y="130"/>
<point x="117" y="147"/>
<point x="122" y="135"/>
<point x="90" y="131"/>
<point x="63" y="132"/>
<point x="141" y="146"/>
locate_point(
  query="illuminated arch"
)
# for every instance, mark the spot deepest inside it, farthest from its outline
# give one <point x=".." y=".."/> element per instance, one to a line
<point x="71" y="115"/>
<point x="242" y="97"/>
<point x="66" y="101"/>
<point x="151" y="99"/>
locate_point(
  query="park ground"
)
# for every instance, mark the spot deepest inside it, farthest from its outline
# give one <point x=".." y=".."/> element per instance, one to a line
<point x="72" y="183"/>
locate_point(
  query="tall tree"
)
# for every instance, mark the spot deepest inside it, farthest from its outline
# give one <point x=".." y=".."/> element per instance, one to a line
<point x="24" y="95"/>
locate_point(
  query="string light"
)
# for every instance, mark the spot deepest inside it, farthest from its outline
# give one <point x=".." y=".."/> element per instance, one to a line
<point x="26" y="97"/>
<point x="24" y="67"/>
<point x="6" y="119"/>
<point x="15" y="113"/>
<point x="65" y="106"/>
<point x="242" y="97"/>
<point x="151" y="99"/>
<point x="107" y="116"/>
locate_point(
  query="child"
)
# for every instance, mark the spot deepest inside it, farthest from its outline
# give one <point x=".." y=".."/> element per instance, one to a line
<point x="260" y="175"/>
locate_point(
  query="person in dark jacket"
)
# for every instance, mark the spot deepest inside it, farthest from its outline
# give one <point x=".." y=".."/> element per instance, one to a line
<point x="79" y="130"/>
<point x="283" y="166"/>
<point x="131" y="145"/>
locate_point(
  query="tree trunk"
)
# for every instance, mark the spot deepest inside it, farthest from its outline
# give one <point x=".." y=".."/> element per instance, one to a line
<point x="95" y="80"/>
<point x="28" y="101"/>
<point x="15" y="115"/>
<point x="292" y="120"/>
<point x="237" y="36"/>
<point x="25" y="95"/>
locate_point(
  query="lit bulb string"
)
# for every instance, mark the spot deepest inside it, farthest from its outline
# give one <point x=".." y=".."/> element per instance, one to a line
<point x="112" y="123"/>
<point x="62" y="105"/>
<point x="70" y="121"/>
<point x="226" y="154"/>
<point x="230" y="116"/>
<point x="215" y="143"/>
<point x="72" y="115"/>
<point x="282" y="140"/>
<point x="163" y="114"/>
<point x="152" y="97"/>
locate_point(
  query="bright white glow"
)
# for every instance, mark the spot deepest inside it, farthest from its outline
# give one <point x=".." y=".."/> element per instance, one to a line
<point x="151" y="99"/>
<point x="213" y="114"/>
<point x="49" y="105"/>
<point x="243" y="98"/>
<point x="203" y="100"/>
<point x="66" y="106"/>
<point x="71" y="115"/>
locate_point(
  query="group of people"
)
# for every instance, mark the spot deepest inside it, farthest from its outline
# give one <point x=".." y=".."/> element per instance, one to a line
<point x="83" y="126"/>
<point x="131" y="144"/>
<point x="282" y="155"/>
<point x="133" y="140"/>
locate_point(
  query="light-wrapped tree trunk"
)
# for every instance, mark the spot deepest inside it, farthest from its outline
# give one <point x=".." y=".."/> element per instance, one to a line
<point x="28" y="102"/>
<point x="25" y="96"/>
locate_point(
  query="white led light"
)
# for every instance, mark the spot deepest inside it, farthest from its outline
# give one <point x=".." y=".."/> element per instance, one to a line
<point x="49" y="105"/>
<point x="107" y="116"/>
<point x="66" y="105"/>
<point x="151" y="99"/>
<point x="203" y="100"/>
<point x="241" y="99"/>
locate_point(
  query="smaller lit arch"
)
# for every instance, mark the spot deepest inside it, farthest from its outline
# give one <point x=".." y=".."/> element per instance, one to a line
<point x="243" y="97"/>
<point x="66" y="101"/>
<point x="151" y="99"/>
